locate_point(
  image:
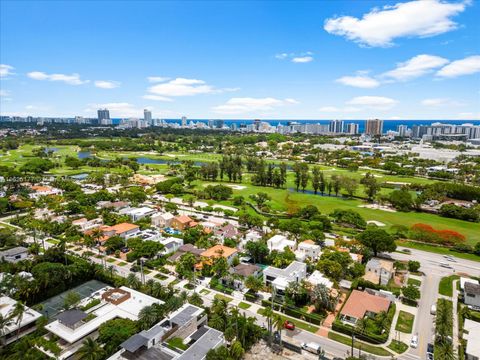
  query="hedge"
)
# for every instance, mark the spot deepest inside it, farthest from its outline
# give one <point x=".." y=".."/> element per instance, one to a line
<point x="296" y="313"/>
<point x="347" y="329"/>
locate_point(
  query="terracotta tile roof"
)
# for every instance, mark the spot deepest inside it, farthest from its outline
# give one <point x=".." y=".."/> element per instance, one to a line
<point x="311" y="242"/>
<point x="122" y="227"/>
<point x="184" y="219"/>
<point x="40" y="188"/>
<point x="219" y="250"/>
<point x="360" y="302"/>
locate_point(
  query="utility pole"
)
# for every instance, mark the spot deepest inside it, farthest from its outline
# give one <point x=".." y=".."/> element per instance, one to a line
<point x="353" y="340"/>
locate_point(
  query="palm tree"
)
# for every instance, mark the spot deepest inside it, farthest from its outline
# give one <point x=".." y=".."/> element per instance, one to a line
<point x="147" y="317"/>
<point x="236" y="350"/>
<point x="4" y="323"/>
<point x="445" y="351"/>
<point x="90" y="350"/>
<point x="18" y="312"/>
<point x="278" y="325"/>
<point x="133" y="282"/>
<point x="268" y="313"/>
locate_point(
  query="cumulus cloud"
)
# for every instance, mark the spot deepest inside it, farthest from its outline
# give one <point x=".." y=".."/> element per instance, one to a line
<point x="299" y="58"/>
<point x="248" y="105"/>
<point x="154" y="79"/>
<point x="380" y="27"/>
<point x="73" y="79"/>
<point x="467" y="66"/>
<point x="335" y="109"/>
<point x="6" y="70"/>
<point x="415" y="67"/>
<point x="107" y="84"/>
<point x="167" y="89"/>
<point x="373" y="102"/>
<point x="359" y="81"/>
<point x="435" y="102"/>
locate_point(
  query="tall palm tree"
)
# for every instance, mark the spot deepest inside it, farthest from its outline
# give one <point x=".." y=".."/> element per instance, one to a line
<point x="147" y="317"/>
<point x="236" y="350"/>
<point x="445" y="351"/>
<point x="18" y="312"/>
<point x="90" y="350"/>
<point x="278" y="324"/>
<point x="4" y="323"/>
<point x="133" y="282"/>
<point x="268" y="313"/>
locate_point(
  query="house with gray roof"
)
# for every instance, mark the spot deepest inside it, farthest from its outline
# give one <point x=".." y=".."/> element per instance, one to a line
<point x="14" y="255"/>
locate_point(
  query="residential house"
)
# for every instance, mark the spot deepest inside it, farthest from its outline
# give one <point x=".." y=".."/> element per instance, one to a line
<point x="220" y="250"/>
<point x="251" y="235"/>
<point x="464" y="280"/>
<point x="19" y="326"/>
<point x="188" y="323"/>
<point x="472" y="294"/>
<point x="43" y="190"/>
<point x="308" y="250"/>
<point x="85" y="225"/>
<point x="379" y="271"/>
<point x="187" y="248"/>
<point x="239" y="273"/>
<point x="361" y="304"/>
<point x="317" y="278"/>
<point x="280" y="278"/>
<point x="471" y="333"/>
<point x="171" y="244"/>
<point x="280" y="242"/>
<point x="72" y="327"/>
<point x="162" y="220"/>
<point x="124" y="230"/>
<point x="182" y="222"/>
<point x="14" y="255"/>
<point x="228" y="231"/>
<point x="116" y="205"/>
<point x="139" y="213"/>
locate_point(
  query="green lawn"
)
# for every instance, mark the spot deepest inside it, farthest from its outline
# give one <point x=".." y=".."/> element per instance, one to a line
<point x="204" y="291"/>
<point x="177" y="343"/>
<point x="161" y="277"/>
<point x="405" y="322"/>
<point x="121" y="263"/>
<point x="414" y="282"/>
<point x="398" y="346"/>
<point x="299" y="324"/>
<point x="244" y="306"/>
<point x="174" y="282"/>
<point x="111" y="260"/>
<point x="446" y="285"/>
<point x="376" y="350"/>
<point x="223" y="297"/>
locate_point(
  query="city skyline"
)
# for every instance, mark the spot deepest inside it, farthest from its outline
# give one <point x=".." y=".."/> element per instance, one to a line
<point x="317" y="61"/>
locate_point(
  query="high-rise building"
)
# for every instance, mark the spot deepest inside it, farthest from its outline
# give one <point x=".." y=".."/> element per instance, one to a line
<point x="184" y="121"/>
<point x="256" y="124"/>
<point x="218" y="124"/>
<point x="402" y="130"/>
<point x="352" y="128"/>
<point x="335" y="126"/>
<point x="374" y="127"/>
<point x="104" y="117"/>
<point x="147" y="116"/>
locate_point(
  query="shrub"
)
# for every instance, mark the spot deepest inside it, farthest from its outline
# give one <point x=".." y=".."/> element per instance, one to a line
<point x="426" y="233"/>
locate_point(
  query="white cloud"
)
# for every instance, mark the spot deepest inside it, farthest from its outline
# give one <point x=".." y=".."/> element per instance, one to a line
<point x="247" y="105"/>
<point x="117" y="109"/>
<point x="298" y="58"/>
<point x="107" y="84"/>
<point x="379" y="27"/>
<point x="467" y="66"/>
<point x="415" y="67"/>
<point x="6" y="70"/>
<point x="302" y="59"/>
<point x="359" y="81"/>
<point x="154" y="79"/>
<point x="373" y="102"/>
<point x="73" y="79"/>
<point x="181" y="87"/>
<point x="4" y="93"/>
<point x="157" y="98"/>
<point x="435" y="102"/>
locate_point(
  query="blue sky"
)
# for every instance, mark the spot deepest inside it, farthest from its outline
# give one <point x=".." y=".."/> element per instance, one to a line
<point x="242" y="60"/>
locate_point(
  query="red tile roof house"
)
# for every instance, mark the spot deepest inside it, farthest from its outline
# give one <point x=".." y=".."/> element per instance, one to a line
<point x="182" y="222"/>
<point x="361" y="304"/>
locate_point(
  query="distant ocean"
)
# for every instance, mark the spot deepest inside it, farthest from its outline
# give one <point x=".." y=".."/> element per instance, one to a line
<point x="387" y="124"/>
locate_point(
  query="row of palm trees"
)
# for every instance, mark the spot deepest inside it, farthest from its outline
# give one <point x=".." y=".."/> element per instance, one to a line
<point x="444" y="349"/>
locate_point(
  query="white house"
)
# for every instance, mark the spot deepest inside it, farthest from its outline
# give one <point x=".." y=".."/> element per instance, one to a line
<point x="172" y="244"/>
<point x="14" y="255"/>
<point x="137" y="213"/>
<point x="308" y="249"/>
<point x="162" y="220"/>
<point x="43" y="190"/>
<point x="317" y="278"/>
<point x="16" y="329"/>
<point x="84" y="225"/>
<point x="73" y="326"/>
<point x="280" y="278"/>
<point x="251" y="235"/>
<point x="464" y="280"/>
<point x="279" y="242"/>
<point x="472" y="334"/>
<point x="379" y="271"/>
<point x="472" y="294"/>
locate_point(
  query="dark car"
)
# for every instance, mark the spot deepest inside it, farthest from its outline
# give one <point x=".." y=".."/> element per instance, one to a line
<point x="276" y="337"/>
<point x="124" y="250"/>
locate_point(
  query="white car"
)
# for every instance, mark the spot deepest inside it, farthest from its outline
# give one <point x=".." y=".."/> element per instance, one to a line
<point x="414" y="341"/>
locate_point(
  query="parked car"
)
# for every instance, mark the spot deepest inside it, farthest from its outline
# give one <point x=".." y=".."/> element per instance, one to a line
<point x="433" y="309"/>
<point x="289" y="325"/>
<point x="124" y="250"/>
<point x="312" y="347"/>
<point x="276" y="337"/>
<point x="414" y="341"/>
<point x="430" y="348"/>
<point x="445" y="265"/>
